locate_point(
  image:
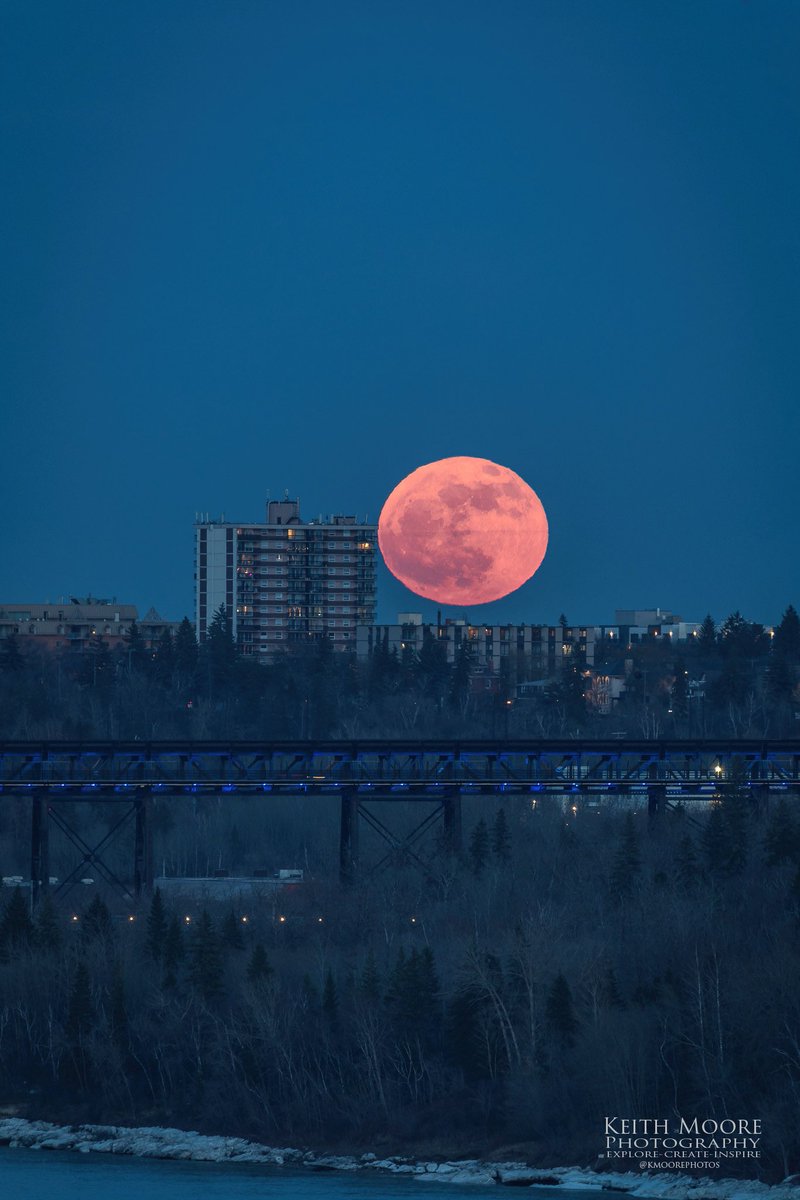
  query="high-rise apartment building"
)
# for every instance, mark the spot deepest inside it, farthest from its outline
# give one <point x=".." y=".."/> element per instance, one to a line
<point x="286" y="581"/>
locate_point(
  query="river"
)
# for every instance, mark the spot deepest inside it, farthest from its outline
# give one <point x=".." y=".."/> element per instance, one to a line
<point x="54" y="1175"/>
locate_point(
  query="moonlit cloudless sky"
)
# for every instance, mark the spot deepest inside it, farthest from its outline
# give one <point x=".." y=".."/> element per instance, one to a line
<point x="252" y="246"/>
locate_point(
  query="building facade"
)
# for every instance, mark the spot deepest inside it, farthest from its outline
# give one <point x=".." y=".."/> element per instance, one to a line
<point x="532" y="655"/>
<point x="286" y="581"/>
<point x="78" y="624"/>
<point x="531" y="650"/>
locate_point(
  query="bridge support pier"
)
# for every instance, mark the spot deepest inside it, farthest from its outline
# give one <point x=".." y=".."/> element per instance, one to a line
<point x="40" y="850"/>
<point x="451" y="818"/>
<point x="656" y="798"/>
<point x="142" y="849"/>
<point x="348" y="836"/>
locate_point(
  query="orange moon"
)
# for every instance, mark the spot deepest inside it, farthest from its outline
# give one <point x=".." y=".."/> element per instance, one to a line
<point x="463" y="531"/>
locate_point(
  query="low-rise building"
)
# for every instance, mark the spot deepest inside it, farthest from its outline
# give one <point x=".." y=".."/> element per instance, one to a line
<point x="75" y="624"/>
<point x="527" y="650"/>
<point x="526" y="653"/>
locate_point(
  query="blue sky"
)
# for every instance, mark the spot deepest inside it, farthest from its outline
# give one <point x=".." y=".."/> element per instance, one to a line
<point x="253" y="246"/>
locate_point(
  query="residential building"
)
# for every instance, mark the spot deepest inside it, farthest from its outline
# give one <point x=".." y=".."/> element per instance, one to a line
<point x="75" y="624"/>
<point x="287" y="580"/>
<point x="532" y="654"/>
<point x="528" y="650"/>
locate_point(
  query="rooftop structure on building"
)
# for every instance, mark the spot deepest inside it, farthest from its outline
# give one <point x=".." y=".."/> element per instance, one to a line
<point x="73" y="624"/>
<point x="286" y="581"/>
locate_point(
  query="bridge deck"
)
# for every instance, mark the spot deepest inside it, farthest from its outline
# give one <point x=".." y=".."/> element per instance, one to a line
<point x="419" y="769"/>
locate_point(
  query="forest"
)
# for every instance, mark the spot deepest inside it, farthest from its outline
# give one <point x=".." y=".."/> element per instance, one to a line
<point x="574" y="961"/>
<point x="734" y="679"/>
<point x="570" y="964"/>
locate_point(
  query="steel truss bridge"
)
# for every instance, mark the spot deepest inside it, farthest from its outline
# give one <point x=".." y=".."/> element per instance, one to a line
<point x="359" y="773"/>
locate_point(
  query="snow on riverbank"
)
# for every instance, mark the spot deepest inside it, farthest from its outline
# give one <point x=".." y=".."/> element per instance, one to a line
<point x="155" y="1142"/>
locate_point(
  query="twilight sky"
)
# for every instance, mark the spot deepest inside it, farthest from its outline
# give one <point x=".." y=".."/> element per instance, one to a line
<point x="252" y="246"/>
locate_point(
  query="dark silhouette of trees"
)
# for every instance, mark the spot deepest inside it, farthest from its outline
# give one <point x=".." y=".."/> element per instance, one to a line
<point x="205" y="969"/>
<point x="156" y="926"/>
<point x="560" y="1012"/>
<point x="501" y="841"/>
<point x="534" y="992"/>
<point x="479" y="847"/>
<point x="626" y="864"/>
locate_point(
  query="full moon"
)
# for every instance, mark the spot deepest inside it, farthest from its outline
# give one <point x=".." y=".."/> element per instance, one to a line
<point x="463" y="531"/>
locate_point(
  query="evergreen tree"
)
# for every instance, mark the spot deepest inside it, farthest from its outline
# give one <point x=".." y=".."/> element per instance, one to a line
<point x="16" y="927"/>
<point x="424" y="979"/>
<point x="156" y="926"/>
<point x="370" y="983"/>
<point x="80" y="1009"/>
<point x="731" y="685"/>
<point x="185" y="650"/>
<point x="136" y="653"/>
<point x="47" y="934"/>
<point x="218" y="653"/>
<point x="330" y="1000"/>
<point x="740" y="638"/>
<point x="501" y="842"/>
<point x="383" y="667"/>
<point x="782" y="837"/>
<point x="432" y="667"/>
<point x="173" y="951"/>
<point x="232" y="937"/>
<point x="627" y="863"/>
<point x="780" y="678"/>
<point x="459" y="679"/>
<point x="259" y="969"/>
<point x="787" y="635"/>
<point x="479" y="847"/>
<point x="714" y="840"/>
<point x="206" y="971"/>
<point x="687" y="866"/>
<point x="736" y="811"/>
<point x="118" y="1016"/>
<point x="96" y="924"/>
<point x="707" y="634"/>
<point x="464" y="1044"/>
<point x="400" y="998"/>
<point x="165" y="658"/>
<point x="560" y="1012"/>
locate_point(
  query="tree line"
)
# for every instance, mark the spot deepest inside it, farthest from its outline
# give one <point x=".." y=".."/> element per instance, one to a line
<point x="735" y="678"/>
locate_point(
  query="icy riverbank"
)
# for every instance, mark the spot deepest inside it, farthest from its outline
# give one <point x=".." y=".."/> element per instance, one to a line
<point x="155" y="1142"/>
